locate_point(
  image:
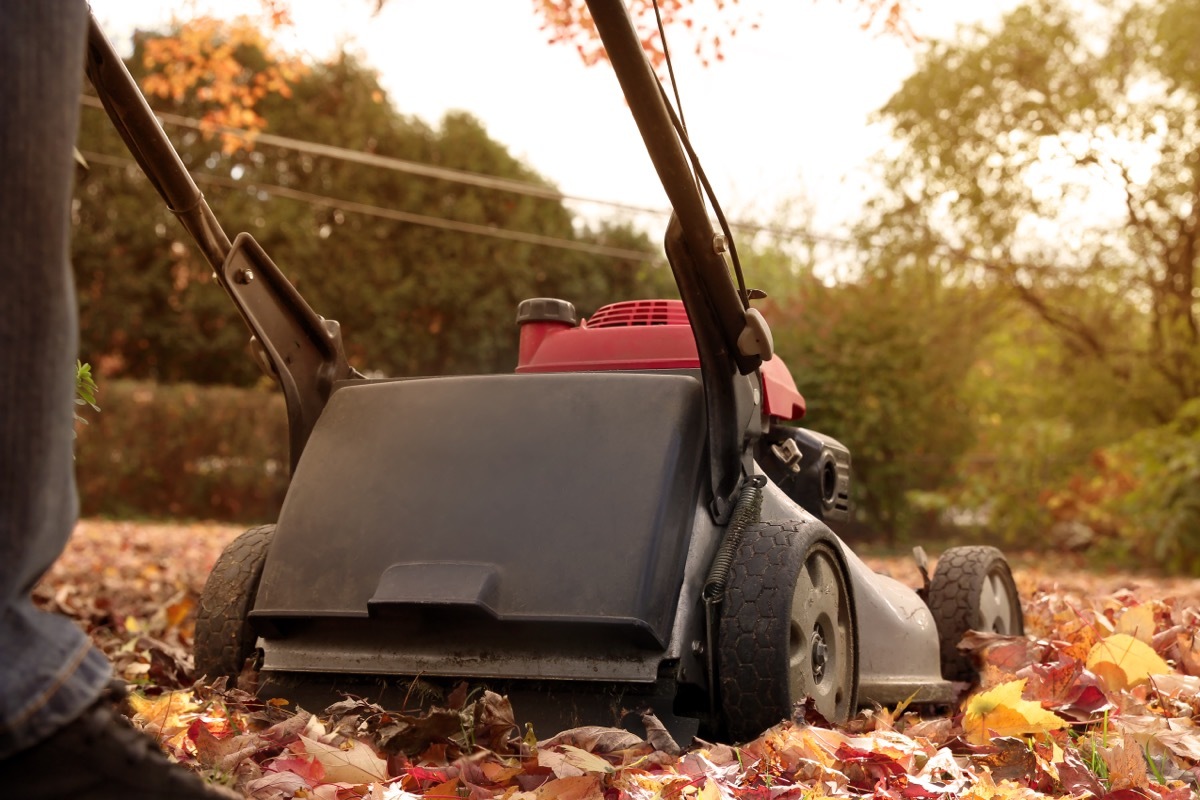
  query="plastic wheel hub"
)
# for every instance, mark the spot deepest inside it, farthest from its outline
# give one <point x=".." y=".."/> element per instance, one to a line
<point x="819" y="653"/>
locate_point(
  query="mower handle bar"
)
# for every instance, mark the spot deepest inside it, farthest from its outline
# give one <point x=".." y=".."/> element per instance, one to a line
<point x="144" y="137"/>
<point x="648" y="106"/>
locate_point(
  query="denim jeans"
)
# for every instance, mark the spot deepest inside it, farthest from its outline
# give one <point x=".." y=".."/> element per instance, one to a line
<point x="49" y="672"/>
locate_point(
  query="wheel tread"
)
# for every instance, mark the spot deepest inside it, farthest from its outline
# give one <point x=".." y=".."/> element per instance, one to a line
<point x="751" y="652"/>
<point x="953" y="601"/>
<point x="223" y="637"/>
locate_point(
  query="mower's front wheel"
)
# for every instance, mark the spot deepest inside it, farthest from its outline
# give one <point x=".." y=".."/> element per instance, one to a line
<point x="972" y="590"/>
<point x="787" y="629"/>
<point x="224" y="639"/>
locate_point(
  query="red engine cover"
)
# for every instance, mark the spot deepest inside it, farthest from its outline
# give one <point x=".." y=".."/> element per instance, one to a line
<point x="639" y="334"/>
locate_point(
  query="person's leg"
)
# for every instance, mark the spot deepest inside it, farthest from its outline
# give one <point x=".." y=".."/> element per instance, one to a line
<point x="60" y="734"/>
<point x="50" y="673"/>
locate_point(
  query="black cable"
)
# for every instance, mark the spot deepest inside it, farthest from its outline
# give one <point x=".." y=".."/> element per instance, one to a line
<point x="662" y="36"/>
<point x="681" y="130"/>
<point x="712" y="199"/>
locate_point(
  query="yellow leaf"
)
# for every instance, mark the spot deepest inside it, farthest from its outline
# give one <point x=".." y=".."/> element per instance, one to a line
<point x="1138" y="622"/>
<point x="1003" y="712"/>
<point x="1122" y="661"/>
<point x="709" y="791"/>
<point x="585" y="761"/>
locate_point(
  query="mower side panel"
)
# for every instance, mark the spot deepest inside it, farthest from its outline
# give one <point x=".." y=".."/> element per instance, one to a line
<point x="899" y="657"/>
<point x="519" y="502"/>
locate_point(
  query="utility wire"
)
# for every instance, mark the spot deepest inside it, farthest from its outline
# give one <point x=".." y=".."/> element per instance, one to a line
<point x="398" y="216"/>
<point x="452" y="175"/>
<point x="386" y="162"/>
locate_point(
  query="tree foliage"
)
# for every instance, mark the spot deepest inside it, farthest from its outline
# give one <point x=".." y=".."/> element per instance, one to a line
<point x="217" y="65"/>
<point x="567" y="22"/>
<point x="199" y="60"/>
<point x="1059" y="158"/>
<point x="411" y="299"/>
<point x="882" y="361"/>
<point x="1054" y="162"/>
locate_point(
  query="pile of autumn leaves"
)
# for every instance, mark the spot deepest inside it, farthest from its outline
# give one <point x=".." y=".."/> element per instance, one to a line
<point x="1099" y="701"/>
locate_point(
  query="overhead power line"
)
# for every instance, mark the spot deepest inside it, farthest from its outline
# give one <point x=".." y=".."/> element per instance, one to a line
<point x="527" y="188"/>
<point x="398" y="216"/>
<point x="388" y="162"/>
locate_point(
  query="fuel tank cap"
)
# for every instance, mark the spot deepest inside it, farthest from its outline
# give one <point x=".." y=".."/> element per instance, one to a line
<point x="546" y="309"/>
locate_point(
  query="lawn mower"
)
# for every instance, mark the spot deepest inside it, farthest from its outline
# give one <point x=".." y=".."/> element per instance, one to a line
<point x="630" y="521"/>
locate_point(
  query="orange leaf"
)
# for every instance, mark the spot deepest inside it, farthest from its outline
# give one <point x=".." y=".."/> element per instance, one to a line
<point x="1003" y="712"/>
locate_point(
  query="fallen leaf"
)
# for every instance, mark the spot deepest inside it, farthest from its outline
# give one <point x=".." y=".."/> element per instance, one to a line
<point x="1122" y="661"/>
<point x="1138" y="622"/>
<point x="443" y="791"/>
<point x="585" y="761"/>
<point x="582" y="787"/>
<point x="496" y="772"/>
<point x="164" y="715"/>
<point x="865" y="768"/>
<point x="353" y="762"/>
<point x="1003" y="712"/>
<point x="1188" y="646"/>
<point x="594" y="739"/>
<point x="1126" y="765"/>
<point x="179" y="611"/>
<point x="276" y="784"/>
<point x="307" y="767"/>
<point x="658" y="735"/>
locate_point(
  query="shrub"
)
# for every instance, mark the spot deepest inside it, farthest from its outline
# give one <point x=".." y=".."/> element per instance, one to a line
<point x="184" y="451"/>
<point x="1163" y="510"/>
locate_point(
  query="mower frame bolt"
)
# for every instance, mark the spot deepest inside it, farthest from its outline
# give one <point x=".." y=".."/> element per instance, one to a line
<point x="243" y="276"/>
<point x="720" y="244"/>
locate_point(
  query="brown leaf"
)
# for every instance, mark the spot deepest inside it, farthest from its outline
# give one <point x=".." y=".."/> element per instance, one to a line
<point x="594" y="739"/>
<point x="658" y="735"/>
<point x="495" y="725"/>
<point x="1006" y="653"/>
<point x="224" y="754"/>
<point x="1126" y="764"/>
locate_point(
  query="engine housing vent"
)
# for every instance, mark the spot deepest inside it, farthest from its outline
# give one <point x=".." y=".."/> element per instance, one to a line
<point x="632" y="313"/>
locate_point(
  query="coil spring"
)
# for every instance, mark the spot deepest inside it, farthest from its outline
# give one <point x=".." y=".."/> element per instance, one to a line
<point x="746" y="511"/>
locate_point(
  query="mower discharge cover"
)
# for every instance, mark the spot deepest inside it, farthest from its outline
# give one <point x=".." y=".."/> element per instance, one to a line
<point x="515" y="503"/>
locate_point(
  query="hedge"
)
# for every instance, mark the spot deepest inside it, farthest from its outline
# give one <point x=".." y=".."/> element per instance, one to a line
<point x="183" y="451"/>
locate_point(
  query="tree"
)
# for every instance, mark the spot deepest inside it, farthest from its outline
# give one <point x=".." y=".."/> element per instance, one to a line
<point x="1059" y="158"/>
<point x="568" y="22"/>
<point x="882" y="361"/>
<point x="412" y="299"/>
<point x="202" y="64"/>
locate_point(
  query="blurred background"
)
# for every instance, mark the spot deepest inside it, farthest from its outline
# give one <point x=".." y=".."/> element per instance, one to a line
<point x="976" y="223"/>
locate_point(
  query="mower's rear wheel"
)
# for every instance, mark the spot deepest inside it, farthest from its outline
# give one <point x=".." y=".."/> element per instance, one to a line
<point x="972" y="590"/>
<point x="787" y="629"/>
<point x="224" y="639"/>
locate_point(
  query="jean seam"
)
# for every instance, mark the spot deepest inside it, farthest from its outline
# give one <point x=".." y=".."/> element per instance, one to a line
<point x="42" y="699"/>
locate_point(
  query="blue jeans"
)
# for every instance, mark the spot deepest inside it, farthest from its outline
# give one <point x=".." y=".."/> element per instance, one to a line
<point x="49" y="672"/>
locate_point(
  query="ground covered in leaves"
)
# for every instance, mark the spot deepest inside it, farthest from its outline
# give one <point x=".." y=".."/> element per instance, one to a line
<point x="1100" y="699"/>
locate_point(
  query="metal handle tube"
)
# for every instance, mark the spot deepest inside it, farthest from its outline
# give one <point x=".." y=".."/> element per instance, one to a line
<point x="643" y="93"/>
<point x="144" y="137"/>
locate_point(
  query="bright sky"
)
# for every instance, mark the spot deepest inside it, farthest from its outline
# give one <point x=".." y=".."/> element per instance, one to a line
<point x="781" y="125"/>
